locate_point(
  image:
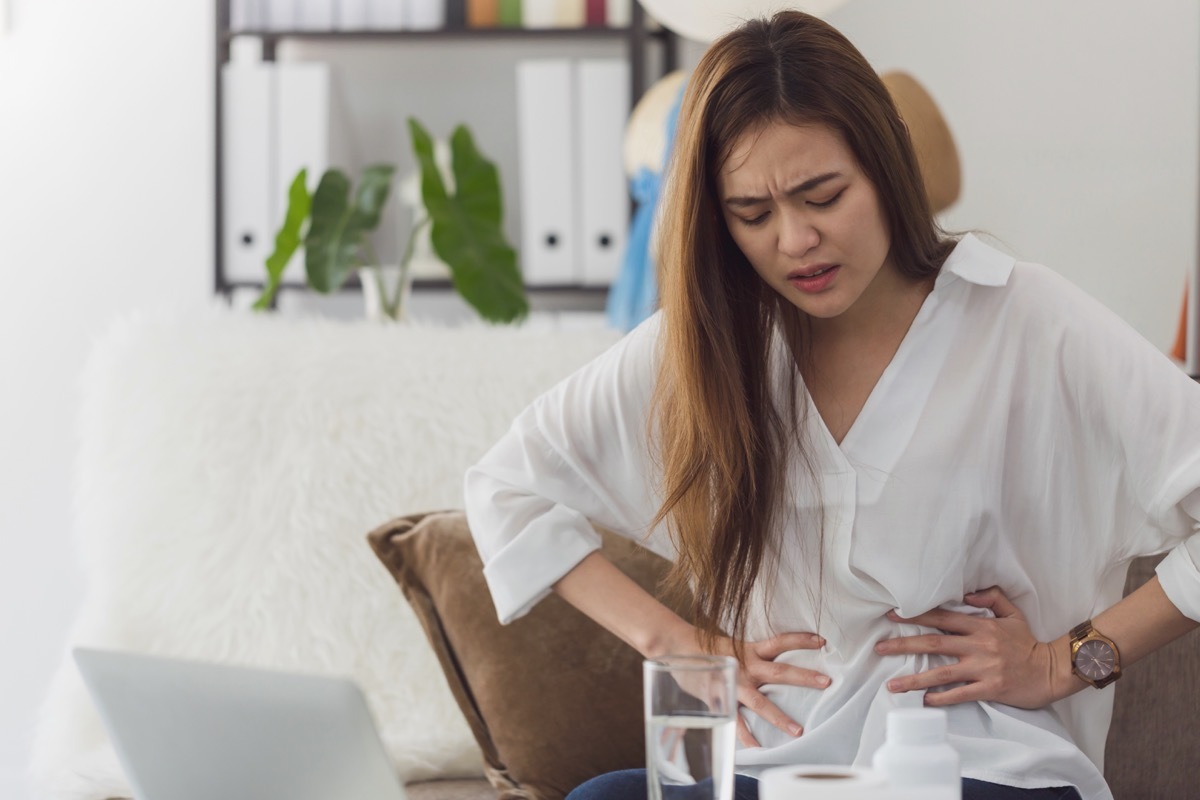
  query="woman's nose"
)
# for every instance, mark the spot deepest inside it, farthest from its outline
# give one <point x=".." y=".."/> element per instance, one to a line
<point x="797" y="234"/>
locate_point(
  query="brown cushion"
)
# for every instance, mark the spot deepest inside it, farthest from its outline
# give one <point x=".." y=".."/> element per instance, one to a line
<point x="1152" y="742"/>
<point x="553" y="699"/>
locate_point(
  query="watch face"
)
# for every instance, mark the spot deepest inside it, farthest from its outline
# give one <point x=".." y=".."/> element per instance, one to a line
<point x="1095" y="660"/>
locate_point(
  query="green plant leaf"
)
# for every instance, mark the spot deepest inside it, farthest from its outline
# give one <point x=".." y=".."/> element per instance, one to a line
<point x="477" y="181"/>
<point x="287" y="239"/>
<point x="466" y="232"/>
<point x="433" y="189"/>
<point x="337" y="233"/>
<point x="372" y="196"/>
<point x="330" y="249"/>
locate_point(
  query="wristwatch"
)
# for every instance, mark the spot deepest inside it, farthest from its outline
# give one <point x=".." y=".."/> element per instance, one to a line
<point x="1094" y="656"/>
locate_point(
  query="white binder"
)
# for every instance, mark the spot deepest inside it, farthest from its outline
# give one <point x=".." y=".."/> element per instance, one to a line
<point x="547" y="165"/>
<point x="314" y="15"/>
<point x="281" y="15"/>
<point x="301" y="130"/>
<point x="247" y="15"/>
<point x="388" y="15"/>
<point x="539" y="13"/>
<point x="570" y="13"/>
<point x="247" y="168"/>
<point x="353" y="15"/>
<point x="426" y="15"/>
<point x="602" y="106"/>
<point x="619" y="13"/>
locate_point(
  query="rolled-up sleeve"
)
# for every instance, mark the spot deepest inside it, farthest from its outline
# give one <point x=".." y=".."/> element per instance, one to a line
<point x="578" y="456"/>
<point x="1179" y="572"/>
<point x="1142" y="417"/>
<point x="1161" y="454"/>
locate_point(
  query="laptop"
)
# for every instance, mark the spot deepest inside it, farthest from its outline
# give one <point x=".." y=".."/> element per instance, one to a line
<point x="191" y="730"/>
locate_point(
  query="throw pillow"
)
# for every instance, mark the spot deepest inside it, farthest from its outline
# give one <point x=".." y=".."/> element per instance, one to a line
<point x="552" y="699"/>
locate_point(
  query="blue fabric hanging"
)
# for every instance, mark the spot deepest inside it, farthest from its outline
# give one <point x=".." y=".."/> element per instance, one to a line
<point x="634" y="295"/>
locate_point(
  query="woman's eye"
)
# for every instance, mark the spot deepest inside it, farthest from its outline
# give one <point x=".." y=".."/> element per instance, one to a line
<point x="829" y="202"/>
<point x="759" y="220"/>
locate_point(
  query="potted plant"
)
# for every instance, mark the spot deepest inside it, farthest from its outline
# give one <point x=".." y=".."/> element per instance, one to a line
<point x="465" y="231"/>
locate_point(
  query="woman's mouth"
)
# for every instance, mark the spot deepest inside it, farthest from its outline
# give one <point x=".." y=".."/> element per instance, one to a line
<point x="814" y="279"/>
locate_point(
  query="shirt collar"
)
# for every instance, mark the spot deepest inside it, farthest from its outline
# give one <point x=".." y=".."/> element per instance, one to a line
<point x="976" y="262"/>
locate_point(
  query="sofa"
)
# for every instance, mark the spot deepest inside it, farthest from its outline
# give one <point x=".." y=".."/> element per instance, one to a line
<point x="286" y="493"/>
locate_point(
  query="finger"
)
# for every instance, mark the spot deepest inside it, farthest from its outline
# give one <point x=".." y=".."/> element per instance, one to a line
<point x="744" y="735"/>
<point x="925" y="644"/>
<point x="770" y="649"/>
<point x="994" y="598"/>
<point x="929" y="679"/>
<point x="940" y="618"/>
<point x="959" y="694"/>
<point x="779" y="672"/>
<point x="758" y="703"/>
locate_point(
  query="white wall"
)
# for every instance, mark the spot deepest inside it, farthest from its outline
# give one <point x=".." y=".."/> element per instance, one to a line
<point x="1077" y="122"/>
<point x="104" y="207"/>
<point x="1077" y="127"/>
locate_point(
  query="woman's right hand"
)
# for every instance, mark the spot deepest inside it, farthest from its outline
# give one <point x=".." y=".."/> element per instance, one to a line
<point x="761" y="668"/>
<point x="620" y="605"/>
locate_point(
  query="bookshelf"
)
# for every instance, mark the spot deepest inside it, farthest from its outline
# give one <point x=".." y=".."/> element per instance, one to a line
<point x="638" y="40"/>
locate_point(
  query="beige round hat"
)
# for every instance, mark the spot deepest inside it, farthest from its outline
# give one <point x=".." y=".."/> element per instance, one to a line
<point x="938" y="157"/>
<point x="646" y="131"/>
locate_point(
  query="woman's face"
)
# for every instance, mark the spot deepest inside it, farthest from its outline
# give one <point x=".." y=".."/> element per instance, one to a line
<point x="807" y="218"/>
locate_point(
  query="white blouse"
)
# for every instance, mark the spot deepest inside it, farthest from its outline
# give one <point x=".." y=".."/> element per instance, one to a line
<point x="1022" y="436"/>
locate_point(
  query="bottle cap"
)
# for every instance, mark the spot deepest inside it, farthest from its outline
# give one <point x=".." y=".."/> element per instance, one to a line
<point x="916" y="726"/>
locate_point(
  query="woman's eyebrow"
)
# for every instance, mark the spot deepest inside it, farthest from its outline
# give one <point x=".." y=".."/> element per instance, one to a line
<point x="811" y="183"/>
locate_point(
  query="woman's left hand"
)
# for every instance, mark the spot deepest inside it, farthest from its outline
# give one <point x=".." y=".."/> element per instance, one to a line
<point x="999" y="659"/>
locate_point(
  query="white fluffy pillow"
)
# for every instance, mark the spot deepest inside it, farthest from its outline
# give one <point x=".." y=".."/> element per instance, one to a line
<point x="231" y="467"/>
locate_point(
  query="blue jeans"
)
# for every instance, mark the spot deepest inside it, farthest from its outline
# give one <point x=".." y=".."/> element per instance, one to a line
<point x="630" y="784"/>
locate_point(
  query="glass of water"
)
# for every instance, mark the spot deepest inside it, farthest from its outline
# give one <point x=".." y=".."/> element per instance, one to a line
<point x="691" y="707"/>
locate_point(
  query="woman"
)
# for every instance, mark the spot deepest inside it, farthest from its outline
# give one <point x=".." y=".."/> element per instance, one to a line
<point x="893" y="467"/>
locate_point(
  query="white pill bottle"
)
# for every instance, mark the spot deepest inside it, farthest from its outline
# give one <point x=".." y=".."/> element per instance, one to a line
<point x="916" y="755"/>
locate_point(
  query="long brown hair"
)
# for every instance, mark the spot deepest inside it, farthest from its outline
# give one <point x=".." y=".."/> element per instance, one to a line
<point x="721" y="432"/>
